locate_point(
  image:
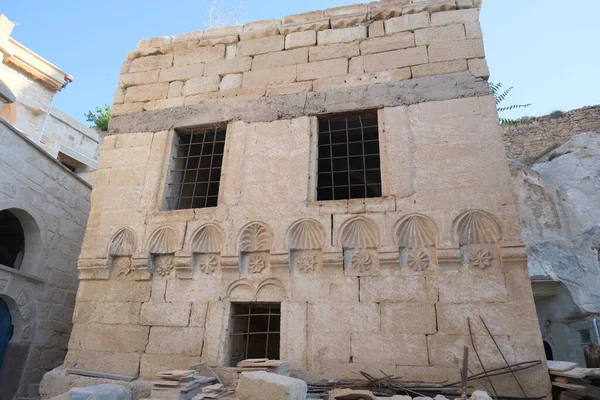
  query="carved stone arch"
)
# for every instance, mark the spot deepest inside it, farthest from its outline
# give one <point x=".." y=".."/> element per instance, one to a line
<point x="255" y="245"/>
<point x="360" y="238"/>
<point x="20" y="300"/>
<point x="305" y="241"/>
<point x="359" y="233"/>
<point x="240" y="290"/>
<point x="478" y="234"/>
<point x="270" y="290"/>
<point x="162" y="246"/>
<point x="416" y="236"/>
<point x="205" y="246"/>
<point x="120" y="249"/>
<point x="254" y="237"/>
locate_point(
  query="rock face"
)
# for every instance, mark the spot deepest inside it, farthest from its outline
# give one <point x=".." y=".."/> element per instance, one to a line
<point x="559" y="198"/>
<point x="261" y="385"/>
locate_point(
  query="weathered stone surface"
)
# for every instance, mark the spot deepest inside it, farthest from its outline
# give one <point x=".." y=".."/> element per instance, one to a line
<point x="108" y="313"/>
<point x="229" y="66"/>
<point x="473" y="30"/>
<point x="395" y="59"/>
<point x="153" y="91"/>
<point x="300" y="39"/>
<point x="321" y="69"/>
<point x="408" y="22"/>
<point x="479" y="68"/>
<point x="100" y="392"/>
<point x="201" y="85"/>
<point x="280" y="59"/>
<point x="164" y="103"/>
<point x="261" y="46"/>
<point x="439" y="35"/>
<point x="151" y="63"/>
<point x="260" y="385"/>
<point x="269" y="76"/>
<point x="456" y="50"/>
<point x="441" y="68"/>
<point x="390" y="348"/>
<point x="408" y="318"/>
<point x="151" y="364"/>
<point x="139" y="78"/>
<point x="231" y="81"/>
<point x="165" y="314"/>
<point x="340" y="50"/>
<point x="388" y="43"/>
<point x="199" y="55"/>
<point x="341" y="35"/>
<point x="175" y="340"/>
<point x="181" y="73"/>
<point x="455" y="17"/>
<point x="361" y="79"/>
<point x="113" y="338"/>
<point x="289" y="88"/>
<point x="376" y="29"/>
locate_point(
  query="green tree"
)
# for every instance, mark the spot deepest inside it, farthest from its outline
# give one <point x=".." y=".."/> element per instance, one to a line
<point x="499" y="96"/>
<point x="100" y="117"/>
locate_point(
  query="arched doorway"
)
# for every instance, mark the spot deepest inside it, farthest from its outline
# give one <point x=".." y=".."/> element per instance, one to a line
<point x="6" y="329"/>
<point x="12" y="240"/>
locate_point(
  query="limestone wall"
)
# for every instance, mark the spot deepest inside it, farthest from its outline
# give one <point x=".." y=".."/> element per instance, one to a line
<point x="379" y="283"/>
<point x="527" y="142"/>
<point x="52" y="206"/>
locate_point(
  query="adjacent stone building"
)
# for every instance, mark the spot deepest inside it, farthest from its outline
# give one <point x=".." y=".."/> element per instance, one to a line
<point x="330" y="189"/>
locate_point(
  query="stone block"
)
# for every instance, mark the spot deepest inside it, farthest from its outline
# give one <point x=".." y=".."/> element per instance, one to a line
<point x="260" y="385"/>
<point x="226" y="95"/>
<point x="280" y="59"/>
<point x="113" y="291"/>
<point x="408" y="318"/>
<point x="231" y="81"/>
<point x="447" y="350"/>
<point x="153" y="91"/>
<point x="259" y="33"/>
<point x="361" y="79"/>
<point x="133" y="139"/>
<point x="340" y="50"/>
<point x="408" y="22"/>
<point x="455" y="17"/>
<point x="261" y="46"/>
<point x="199" y="55"/>
<point x="343" y="317"/>
<point x="175" y="340"/>
<point x="151" y="63"/>
<point x="201" y="85"/>
<point x="269" y="76"/>
<point x="127" y="108"/>
<point x="441" y="68"/>
<point x="473" y="30"/>
<point x="100" y="392"/>
<point x="198" y="314"/>
<point x="395" y="59"/>
<point x="153" y="43"/>
<point x="107" y="313"/>
<point x="344" y="35"/>
<point x="127" y="364"/>
<point x="322" y="69"/>
<point x="378" y="289"/>
<point x="111" y="338"/>
<point x="119" y="97"/>
<point x="469" y="288"/>
<point x="304" y="17"/>
<point x="151" y="364"/>
<point x="479" y="68"/>
<point x="389" y="348"/>
<point x="398" y="41"/>
<point x="164" y="103"/>
<point x="139" y="78"/>
<point x="165" y="314"/>
<point x="288" y="88"/>
<point x="356" y="65"/>
<point x="175" y="89"/>
<point x="376" y="29"/>
<point x="300" y="39"/>
<point x="456" y="50"/>
<point x="181" y="73"/>
<point x="440" y="34"/>
<point x="346" y="10"/>
<point x="228" y="66"/>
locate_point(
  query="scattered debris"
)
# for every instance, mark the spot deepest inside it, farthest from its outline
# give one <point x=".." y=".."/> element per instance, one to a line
<point x="569" y="381"/>
<point x="185" y="385"/>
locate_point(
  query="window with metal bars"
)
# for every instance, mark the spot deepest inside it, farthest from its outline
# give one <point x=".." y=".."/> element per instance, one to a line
<point x="255" y="331"/>
<point x="348" y="165"/>
<point x="196" y="168"/>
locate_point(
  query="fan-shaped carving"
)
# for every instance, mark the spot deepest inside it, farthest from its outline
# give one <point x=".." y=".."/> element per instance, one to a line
<point x="305" y="234"/>
<point x="359" y="233"/>
<point x="163" y="241"/>
<point x="122" y="243"/>
<point x="242" y="283"/>
<point x="477" y="227"/>
<point x="416" y="231"/>
<point x="255" y="237"/>
<point x="207" y="239"/>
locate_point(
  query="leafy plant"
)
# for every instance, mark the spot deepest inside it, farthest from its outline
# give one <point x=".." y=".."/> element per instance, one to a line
<point x="557" y="114"/>
<point x="499" y="96"/>
<point x="100" y="117"/>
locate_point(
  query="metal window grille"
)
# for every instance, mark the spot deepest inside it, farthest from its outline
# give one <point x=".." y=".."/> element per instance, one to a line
<point x="255" y="331"/>
<point x="197" y="169"/>
<point x="585" y="336"/>
<point x="348" y="156"/>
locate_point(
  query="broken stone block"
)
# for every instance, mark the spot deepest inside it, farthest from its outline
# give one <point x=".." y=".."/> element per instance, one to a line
<point x="480" y="395"/>
<point x="100" y="392"/>
<point x="260" y="385"/>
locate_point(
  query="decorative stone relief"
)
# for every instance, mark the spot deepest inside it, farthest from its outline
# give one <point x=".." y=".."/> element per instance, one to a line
<point x="3" y="284"/>
<point x="163" y="264"/>
<point x="270" y="289"/>
<point x="26" y="333"/>
<point x="162" y="246"/>
<point x="360" y="239"/>
<point x="305" y="241"/>
<point x="120" y="249"/>
<point x="205" y="246"/>
<point x="478" y="234"/>
<point x="254" y="244"/>
<point x="122" y="266"/>
<point x="417" y="237"/>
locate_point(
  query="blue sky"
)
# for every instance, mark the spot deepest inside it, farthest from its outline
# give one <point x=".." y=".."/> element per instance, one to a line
<point x="546" y="49"/>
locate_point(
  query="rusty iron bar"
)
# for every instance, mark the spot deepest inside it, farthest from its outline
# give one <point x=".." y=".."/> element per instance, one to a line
<point x="495" y="372"/>
<point x="464" y="373"/>
<point x="479" y="359"/>
<point x="503" y="357"/>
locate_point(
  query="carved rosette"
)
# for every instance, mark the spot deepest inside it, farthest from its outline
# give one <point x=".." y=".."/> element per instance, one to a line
<point x="478" y="233"/>
<point x="208" y="263"/>
<point x="163" y="265"/>
<point x="360" y="240"/>
<point x="256" y="263"/>
<point x="205" y="246"/>
<point x="307" y="263"/>
<point x="418" y="260"/>
<point x="122" y="266"/>
<point x="361" y="262"/>
<point x="305" y="239"/>
<point x="120" y="250"/>
<point x="480" y="258"/>
<point x="417" y="237"/>
<point x="255" y="245"/>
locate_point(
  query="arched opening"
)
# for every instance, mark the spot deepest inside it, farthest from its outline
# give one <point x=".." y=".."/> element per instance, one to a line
<point x="12" y="240"/>
<point x="6" y="329"/>
<point x="548" y="350"/>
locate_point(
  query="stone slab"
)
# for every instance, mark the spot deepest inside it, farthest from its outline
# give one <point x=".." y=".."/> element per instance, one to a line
<point x="260" y="385"/>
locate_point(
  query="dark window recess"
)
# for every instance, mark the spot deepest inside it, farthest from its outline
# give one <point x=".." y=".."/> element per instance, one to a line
<point x="585" y="336"/>
<point x="255" y="331"/>
<point x="348" y="164"/>
<point x="12" y="240"/>
<point x="197" y="169"/>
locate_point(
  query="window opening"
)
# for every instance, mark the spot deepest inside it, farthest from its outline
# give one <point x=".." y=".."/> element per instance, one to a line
<point x="256" y="331"/>
<point x="196" y="169"/>
<point x="348" y="164"/>
<point x="12" y="240"/>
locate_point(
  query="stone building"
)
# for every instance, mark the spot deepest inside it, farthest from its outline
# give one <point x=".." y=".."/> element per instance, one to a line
<point x="330" y="189"/>
<point x="43" y="212"/>
<point x="28" y="84"/>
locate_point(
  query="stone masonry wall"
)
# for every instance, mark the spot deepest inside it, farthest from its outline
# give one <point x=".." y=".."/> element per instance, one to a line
<point x="52" y="205"/>
<point x="377" y="283"/>
<point x="527" y="142"/>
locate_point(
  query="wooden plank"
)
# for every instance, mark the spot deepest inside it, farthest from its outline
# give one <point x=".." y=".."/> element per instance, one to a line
<point x="561" y="366"/>
<point x="100" y="375"/>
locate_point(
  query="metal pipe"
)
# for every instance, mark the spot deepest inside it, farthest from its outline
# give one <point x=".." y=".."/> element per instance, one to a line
<point x="596" y="330"/>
